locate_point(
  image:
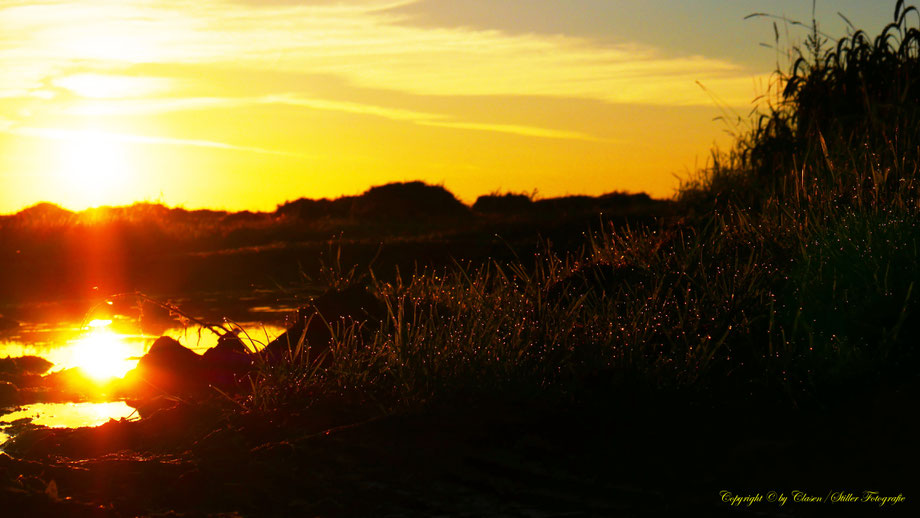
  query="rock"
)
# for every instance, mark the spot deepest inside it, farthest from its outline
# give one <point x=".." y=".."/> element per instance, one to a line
<point x="168" y="369"/>
<point x="228" y="345"/>
<point x="226" y="363"/>
<point x="353" y="304"/>
<point x="168" y="353"/>
<point x="20" y="378"/>
<point x="24" y="365"/>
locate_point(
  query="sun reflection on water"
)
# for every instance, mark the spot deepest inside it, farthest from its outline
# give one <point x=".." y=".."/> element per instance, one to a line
<point x="103" y="354"/>
<point x="67" y="415"/>
<point x="105" y="349"/>
<point x="100" y="351"/>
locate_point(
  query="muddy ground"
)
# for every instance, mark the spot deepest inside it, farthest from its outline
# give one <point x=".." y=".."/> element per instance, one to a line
<point x="342" y="455"/>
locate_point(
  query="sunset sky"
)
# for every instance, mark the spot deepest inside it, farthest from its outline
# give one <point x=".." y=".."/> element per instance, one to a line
<point x="243" y="104"/>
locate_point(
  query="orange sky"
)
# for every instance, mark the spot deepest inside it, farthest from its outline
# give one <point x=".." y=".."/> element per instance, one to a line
<point x="243" y="105"/>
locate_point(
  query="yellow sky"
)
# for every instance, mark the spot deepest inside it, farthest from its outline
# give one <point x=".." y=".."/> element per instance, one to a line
<point x="243" y="105"/>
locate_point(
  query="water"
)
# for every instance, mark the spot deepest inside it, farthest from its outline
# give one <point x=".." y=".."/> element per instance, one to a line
<point x="66" y="415"/>
<point x="105" y="344"/>
<point x="101" y="348"/>
<point x="105" y="348"/>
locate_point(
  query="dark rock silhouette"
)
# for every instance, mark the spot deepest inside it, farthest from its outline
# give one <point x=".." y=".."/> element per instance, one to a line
<point x="171" y="371"/>
<point x="227" y="363"/>
<point x="24" y="365"/>
<point x="22" y="374"/>
<point x="168" y="369"/>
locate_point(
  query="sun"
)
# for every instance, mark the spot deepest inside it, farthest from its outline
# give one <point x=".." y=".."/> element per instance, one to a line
<point x="108" y="86"/>
<point x="93" y="167"/>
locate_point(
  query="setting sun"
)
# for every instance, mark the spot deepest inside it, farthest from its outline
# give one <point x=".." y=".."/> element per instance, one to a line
<point x="93" y="166"/>
<point x="108" y="86"/>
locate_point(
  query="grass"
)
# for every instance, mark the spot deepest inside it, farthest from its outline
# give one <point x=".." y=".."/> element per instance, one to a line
<point x="791" y="276"/>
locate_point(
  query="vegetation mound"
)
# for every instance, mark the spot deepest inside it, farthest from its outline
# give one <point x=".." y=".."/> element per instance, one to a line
<point x="508" y="203"/>
<point x="791" y="275"/>
<point x="409" y="201"/>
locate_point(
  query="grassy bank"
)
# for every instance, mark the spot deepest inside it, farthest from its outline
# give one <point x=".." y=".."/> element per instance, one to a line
<point x="792" y="275"/>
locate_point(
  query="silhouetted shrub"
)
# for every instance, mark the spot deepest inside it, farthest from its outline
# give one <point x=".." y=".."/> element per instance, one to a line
<point x="856" y="102"/>
<point x="623" y="198"/>
<point x="409" y="201"/>
<point x="308" y="209"/>
<point x="859" y="86"/>
<point x="508" y="203"/>
<point x="43" y="214"/>
<point x="245" y="217"/>
<point x="567" y="205"/>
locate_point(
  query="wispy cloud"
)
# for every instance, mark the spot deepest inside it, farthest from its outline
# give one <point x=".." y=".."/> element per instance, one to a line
<point x="155" y="106"/>
<point x="82" y="135"/>
<point x="397" y="114"/>
<point x="516" y="129"/>
<point x="152" y="106"/>
<point x="361" y="42"/>
<point x="108" y="86"/>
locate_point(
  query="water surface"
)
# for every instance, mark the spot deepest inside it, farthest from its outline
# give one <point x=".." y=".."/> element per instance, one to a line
<point x="66" y="415"/>
<point x="105" y="343"/>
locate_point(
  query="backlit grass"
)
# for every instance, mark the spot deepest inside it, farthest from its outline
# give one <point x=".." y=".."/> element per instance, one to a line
<point x="792" y="274"/>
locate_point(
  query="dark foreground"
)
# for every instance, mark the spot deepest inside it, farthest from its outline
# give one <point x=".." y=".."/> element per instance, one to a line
<point x="342" y="456"/>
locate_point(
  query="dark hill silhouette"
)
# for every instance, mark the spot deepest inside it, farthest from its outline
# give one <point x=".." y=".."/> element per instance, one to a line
<point x="47" y="252"/>
<point x="405" y="202"/>
<point x="581" y="204"/>
<point x="521" y="204"/>
<point x="508" y="203"/>
<point x="45" y="213"/>
<point x="409" y="201"/>
<point x="309" y="209"/>
<point x="244" y="217"/>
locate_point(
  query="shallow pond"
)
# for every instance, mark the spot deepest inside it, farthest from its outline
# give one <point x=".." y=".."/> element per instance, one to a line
<point x="65" y="415"/>
<point x="106" y="348"/>
<point x="105" y="344"/>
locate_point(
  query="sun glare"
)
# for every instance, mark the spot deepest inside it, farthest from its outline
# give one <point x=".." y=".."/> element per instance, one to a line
<point x="103" y="354"/>
<point x="94" y="169"/>
<point x="105" y="86"/>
